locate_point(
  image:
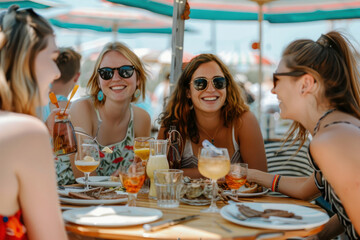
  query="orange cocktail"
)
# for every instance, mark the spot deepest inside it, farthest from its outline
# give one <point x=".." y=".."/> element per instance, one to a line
<point x="236" y="177"/>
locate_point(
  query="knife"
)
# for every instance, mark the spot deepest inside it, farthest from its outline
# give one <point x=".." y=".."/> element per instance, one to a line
<point x="166" y="223"/>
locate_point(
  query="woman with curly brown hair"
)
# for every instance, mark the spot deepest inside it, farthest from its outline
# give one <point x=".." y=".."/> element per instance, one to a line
<point x="317" y="84"/>
<point x="207" y="104"/>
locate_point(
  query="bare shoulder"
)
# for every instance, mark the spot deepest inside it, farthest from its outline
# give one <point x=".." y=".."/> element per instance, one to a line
<point x="21" y="135"/>
<point x="338" y="141"/>
<point x="247" y="119"/>
<point x="142" y="122"/>
<point x="15" y="125"/>
<point x="82" y="115"/>
<point x="81" y="105"/>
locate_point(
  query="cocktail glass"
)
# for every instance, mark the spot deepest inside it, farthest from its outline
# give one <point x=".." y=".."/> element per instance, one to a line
<point x="132" y="178"/>
<point x="87" y="157"/>
<point x="214" y="165"/>
<point x="142" y="148"/>
<point x="236" y="177"/>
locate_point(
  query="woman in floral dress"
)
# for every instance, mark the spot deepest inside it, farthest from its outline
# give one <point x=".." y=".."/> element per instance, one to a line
<point x="108" y="114"/>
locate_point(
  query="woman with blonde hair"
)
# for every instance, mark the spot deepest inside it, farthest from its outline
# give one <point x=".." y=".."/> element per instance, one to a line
<point x="317" y="84"/>
<point x="207" y="104"/>
<point x="29" y="205"/>
<point x="108" y="115"/>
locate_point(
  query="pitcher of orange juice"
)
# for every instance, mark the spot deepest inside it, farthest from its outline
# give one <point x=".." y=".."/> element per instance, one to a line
<point x="157" y="160"/>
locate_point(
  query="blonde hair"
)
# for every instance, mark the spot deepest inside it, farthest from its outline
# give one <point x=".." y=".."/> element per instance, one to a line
<point x="23" y="35"/>
<point x="93" y="84"/>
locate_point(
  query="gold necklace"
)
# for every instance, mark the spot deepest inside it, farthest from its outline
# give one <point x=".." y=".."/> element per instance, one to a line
<point x="211" y="138"/>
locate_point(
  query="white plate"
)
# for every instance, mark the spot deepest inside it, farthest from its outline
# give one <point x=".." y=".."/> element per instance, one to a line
<point x="92" y="202"/>
<point x="310" y="217"/>
<point x="196" y="202"/>
<point x="99" y="181"/>
<point x="240" y="194"/>
<point x="65" y="192"/>
<point x="112" y="216"/>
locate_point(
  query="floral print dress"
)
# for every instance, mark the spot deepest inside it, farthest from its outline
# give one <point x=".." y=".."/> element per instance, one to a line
<point x="122" y="155"/>
<point x="12" y="228"/>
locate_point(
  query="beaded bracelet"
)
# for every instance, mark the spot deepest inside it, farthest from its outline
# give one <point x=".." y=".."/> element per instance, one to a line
<point x="275" y="183"/>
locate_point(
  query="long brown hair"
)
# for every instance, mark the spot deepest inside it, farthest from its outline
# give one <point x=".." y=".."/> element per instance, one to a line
<point x="23" y="35"/>
<point x="179" y="112"/>
<point x="331" y="61"/>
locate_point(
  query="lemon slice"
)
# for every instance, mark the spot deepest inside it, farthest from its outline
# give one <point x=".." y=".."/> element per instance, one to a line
<point x="107" y="150"/>
<point x="89" y="159"/>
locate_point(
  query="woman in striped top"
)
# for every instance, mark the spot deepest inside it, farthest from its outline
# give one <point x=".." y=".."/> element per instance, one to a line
<point x="317" y="84"/>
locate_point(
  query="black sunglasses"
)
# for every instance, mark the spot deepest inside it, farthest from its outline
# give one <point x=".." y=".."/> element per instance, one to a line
<point x="202" y="83"/>
<point x="290" y="74"/>
<point x="125" y="71"/>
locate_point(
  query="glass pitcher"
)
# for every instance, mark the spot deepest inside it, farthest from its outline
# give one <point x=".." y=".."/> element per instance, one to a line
<point x="64" y="140"/>
<point x="157" y="160"/>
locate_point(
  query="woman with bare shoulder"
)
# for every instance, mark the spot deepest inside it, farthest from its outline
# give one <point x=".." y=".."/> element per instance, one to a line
<point x="29" y="205"/>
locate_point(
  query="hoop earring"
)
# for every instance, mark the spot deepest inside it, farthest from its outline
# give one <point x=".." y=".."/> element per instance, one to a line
<point x="100" y="95"/>
<point x="137" y="93"/>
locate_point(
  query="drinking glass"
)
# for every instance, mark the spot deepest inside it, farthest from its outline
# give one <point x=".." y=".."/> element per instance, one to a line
<point x="157" y="160"/>
<point x="142" y="148"/>
<point x="132" y="178"/>
<point x="214" y="163"/>
<point x="87" y="157"/>
<point x="64" y="140"/>
<point x="169" y="183"/>
<point x="236" y="177"/>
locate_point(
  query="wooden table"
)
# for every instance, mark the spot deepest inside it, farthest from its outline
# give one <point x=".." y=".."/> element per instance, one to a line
<point x="204" y="227"/>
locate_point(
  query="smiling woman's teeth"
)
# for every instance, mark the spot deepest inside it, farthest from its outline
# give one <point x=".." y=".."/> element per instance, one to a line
<point x="118" y="88"/>
<point x="210" y="98"/>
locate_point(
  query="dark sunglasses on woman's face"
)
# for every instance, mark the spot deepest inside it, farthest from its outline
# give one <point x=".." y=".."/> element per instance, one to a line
<point x="202" y="83"/>
<point x="125" y="71"/>
<point x="290" y="74"/>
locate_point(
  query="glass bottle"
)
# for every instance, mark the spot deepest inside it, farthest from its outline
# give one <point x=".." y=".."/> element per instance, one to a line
<point x="64" y="140"/>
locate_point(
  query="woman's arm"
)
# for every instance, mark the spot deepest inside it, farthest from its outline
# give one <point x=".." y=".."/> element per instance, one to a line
<point x="251" y="142"/>
<point x="331" y="229"/>
<point x="297" y="187"/>
<point x="337" y="152"/>
<point x="37" y="183"/>
<point x="142" y="122"/>
<point x="81" y="117"/>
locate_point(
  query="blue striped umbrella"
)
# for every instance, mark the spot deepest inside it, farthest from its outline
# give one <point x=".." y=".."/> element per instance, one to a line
<point x="275" y="11"/>
<point x="39" y="4"/>
<point x="122" y="20"/>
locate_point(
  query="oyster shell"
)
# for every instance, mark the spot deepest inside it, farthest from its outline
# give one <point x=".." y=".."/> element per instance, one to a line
<point x="196" y="188"/>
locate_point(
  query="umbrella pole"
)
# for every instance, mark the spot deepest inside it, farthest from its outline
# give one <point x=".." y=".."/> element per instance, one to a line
<point x="115" y="31"/>
<point x="260" y="73"/>
<point x="177" y="42"/>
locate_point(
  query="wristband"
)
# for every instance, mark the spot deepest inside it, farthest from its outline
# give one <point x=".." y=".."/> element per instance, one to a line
<point x="275" y="183"/>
